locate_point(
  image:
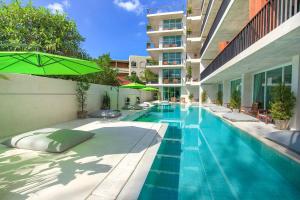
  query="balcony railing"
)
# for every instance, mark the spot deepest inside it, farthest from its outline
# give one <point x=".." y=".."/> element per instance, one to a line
<point x="172" y="62"/>
<point x="171" y="80"/>
<point x="164" y="45"/>
<point x="167" y="8"/>
<point x="165" y="27"/>
<point x="219" y="16"/>
<point x="206" y="15"/>
<point x="274" y="13"/>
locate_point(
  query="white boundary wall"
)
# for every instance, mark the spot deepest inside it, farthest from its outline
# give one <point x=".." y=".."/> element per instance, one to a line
<point x="32" y="102"/>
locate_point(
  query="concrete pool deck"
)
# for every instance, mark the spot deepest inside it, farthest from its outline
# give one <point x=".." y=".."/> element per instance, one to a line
<point x="112" y="165"/>
<point x="259" y="130"/>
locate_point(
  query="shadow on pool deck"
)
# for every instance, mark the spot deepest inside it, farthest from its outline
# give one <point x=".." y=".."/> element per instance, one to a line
<point x="74" y="173"/>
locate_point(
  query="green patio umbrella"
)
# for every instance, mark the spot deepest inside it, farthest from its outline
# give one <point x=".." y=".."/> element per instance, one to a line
<point x="38" y="63"/>
<point x="150" y="89"/>
<point x="133" y="86"/>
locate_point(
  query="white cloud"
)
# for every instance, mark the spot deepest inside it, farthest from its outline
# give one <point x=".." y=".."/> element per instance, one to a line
<point x="142" y="23"/>
<point x="56" y="7"/>
<point x="66" y="3"/>
<point x="130" y="5"/>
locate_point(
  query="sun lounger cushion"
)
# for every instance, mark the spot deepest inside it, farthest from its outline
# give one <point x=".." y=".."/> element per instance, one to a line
<point x="288" y="139"/>
<point x="220" y="109"/>
<point x="48" y="141"/>
<point x="105" y="114"/>
<point x="239" y="117"/>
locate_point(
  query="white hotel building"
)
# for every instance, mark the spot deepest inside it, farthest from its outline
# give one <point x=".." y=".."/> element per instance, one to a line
<point x="244" y="45"/>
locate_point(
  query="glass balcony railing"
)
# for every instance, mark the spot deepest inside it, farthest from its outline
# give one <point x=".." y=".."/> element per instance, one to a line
<point x="170" y="44"/>
<point x="172" y="62"/>
<point x="152" y="63"/>
<point x="172" y="80"/>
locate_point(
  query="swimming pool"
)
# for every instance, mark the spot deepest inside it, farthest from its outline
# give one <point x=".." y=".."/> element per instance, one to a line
<point x="203" y="157"/>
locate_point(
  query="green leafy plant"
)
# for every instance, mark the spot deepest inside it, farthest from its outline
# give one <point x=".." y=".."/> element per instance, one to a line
<point x="81" y="93"/>
<point x="106" y="102"/>
<point x="149" y="76"/>
<point x="283" y="102"/>
<point x="235" y="100"/>
<point x="191" y="97"/>
<point x="25" y="27"/>
<point x="189" y="72"/>
<point x="189" y="10"/>
<point x="189" y="31"/>
<point x="204" y="96"/>
<point x="134" y="78"/>
<point x="220" y="98"/>
<point x="149" y="27"/>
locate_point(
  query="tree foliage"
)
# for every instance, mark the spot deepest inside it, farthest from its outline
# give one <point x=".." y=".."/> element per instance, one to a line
<point x="283" y="102"/>
<point x="27" y="28"/>
<point x="134" y="78"/>
<point x="149" y="76"/>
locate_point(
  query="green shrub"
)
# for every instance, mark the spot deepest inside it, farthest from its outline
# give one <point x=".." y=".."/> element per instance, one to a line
<point x="204" y="96"/>
<point x="81" y="89"/>
<point x="106" y="102"/>
<point x="235" y="100"/>
<point x="283" y="102"/>
<point x="220" y="98"/>
<point x="191" y="96"/>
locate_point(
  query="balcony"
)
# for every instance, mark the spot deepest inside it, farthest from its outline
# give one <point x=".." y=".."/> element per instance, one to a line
<point x="271" y="16"/>
<point x="165" y="46"/>
<point x="172" y="62"/>
<point x="172" y="81"/>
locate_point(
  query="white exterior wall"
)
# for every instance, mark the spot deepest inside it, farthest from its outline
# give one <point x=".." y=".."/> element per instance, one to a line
<point x="32" y="102"/>
<point x="295" y="122"/>
<point x="246" y="92"/>
<point x="141" y="62"/>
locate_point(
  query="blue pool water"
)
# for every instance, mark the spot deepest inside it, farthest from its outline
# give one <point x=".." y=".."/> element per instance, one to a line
<point x="202" y="157"/>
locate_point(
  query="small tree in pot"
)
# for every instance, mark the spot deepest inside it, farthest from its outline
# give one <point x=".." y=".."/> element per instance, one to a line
<point x="204" y="96"/>
<point x="235" y="101"/>
<point x="220" y="98"/>
<point x="189" y="73"/>
<point x="283" y="102"/>
<point x="106" y="102"/>
<point x="81" y="89"/>
<point x="191" y="97"/>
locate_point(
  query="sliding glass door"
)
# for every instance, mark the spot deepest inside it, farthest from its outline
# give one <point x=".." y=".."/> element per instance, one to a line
<point x="169" y="92"/>
<point x="264" y="83"/>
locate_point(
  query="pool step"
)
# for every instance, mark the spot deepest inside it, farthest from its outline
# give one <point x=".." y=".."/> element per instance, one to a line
<point x="151" y="192"/>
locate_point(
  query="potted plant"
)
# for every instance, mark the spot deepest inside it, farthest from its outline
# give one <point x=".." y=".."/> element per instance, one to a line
<point x="166" y="81"/>
<point x="283" y="103"/>
<point x="148" y="45"/>
<point x="204" y="96"/>
<point x="106" y="102"/>
<point x="189" y="72"/>
<point x="220" y="98"/>
<point x="235" y="101"/>
<point x="191" y="97"/>
<point x="189" y="10"/>
<point x="149" y="27"/>
<point x="81" y="93"/>
<point x="189" y="31"/>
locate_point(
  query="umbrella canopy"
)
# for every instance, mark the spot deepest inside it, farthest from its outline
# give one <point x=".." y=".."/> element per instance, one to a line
<point x="38" y="63"/>
<point x="133" y="86"/>
<point x="150" y="89"/>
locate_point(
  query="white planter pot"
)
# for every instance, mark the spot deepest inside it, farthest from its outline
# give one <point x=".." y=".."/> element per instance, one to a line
<point x="235" y="110"/>
<point x="282" y="124"/>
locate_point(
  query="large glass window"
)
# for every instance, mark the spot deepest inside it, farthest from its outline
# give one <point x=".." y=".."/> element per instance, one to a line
<point x="259" y="89"/>
<point x="172" y="24"/>
<point x="171" y="92"/>
<point x="265" y="82"/>
<point x="236" y="85"/>
<point x="172" y="58"/>
<point x="171" y="76"/>
<point x="172" y="41"/>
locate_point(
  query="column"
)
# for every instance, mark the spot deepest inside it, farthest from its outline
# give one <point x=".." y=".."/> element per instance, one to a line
<point x="226" y="92"/>
<point x="160" y="76"/>
<point x="246" y="93"/>
<point x="295" y="121"/>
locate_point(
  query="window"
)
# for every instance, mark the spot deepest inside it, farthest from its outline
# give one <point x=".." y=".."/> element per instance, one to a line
<point x="172" y="41"/>
<point x="171" y="76"/>
<point x="236" y="86"/>
<point x="264" y="83"/>
<point x="133" y="64"/>
<point x="169" y="92"/>
<point x="172" y="58"/>
<point x="170" y="24"/>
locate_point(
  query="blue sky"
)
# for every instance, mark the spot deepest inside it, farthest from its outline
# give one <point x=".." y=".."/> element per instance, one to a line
<point x="115" y="26"/>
